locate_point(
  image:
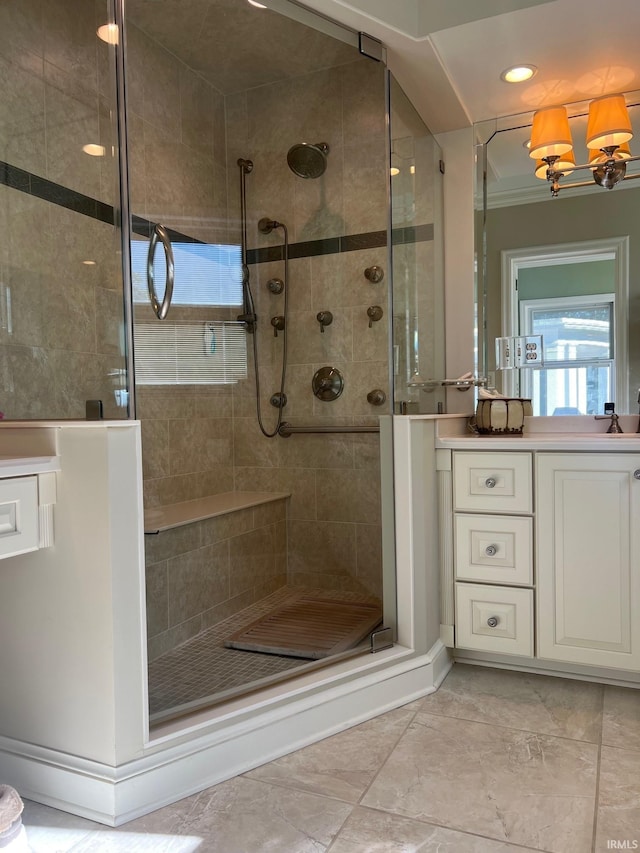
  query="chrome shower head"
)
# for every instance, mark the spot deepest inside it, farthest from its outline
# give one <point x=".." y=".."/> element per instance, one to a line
<point x="267" y="225"/>
<point x="307" y="160"/>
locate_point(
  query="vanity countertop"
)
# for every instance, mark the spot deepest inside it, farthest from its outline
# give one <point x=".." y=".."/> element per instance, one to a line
<point x="546" y="433"/>
<point x="567" y="441"/>
<point x="22" y="466"/>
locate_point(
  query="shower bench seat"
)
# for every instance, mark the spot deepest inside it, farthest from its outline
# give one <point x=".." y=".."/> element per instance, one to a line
<point x="158" y="519"/>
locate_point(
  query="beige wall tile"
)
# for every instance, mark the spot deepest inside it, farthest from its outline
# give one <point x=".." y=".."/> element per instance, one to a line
<point x="197" y="581"/>
<point x="322" y="547"/>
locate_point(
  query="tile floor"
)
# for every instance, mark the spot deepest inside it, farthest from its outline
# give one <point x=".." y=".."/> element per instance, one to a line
<point x="494" y="761"/>
<point x="202" y="668"/>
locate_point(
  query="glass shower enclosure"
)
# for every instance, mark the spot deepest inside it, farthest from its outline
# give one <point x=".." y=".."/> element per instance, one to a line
<point x="215" y="218"/>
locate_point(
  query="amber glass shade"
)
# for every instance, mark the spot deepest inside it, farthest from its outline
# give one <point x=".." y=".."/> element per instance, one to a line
<point x="609" y="122"/>
<point x="566" y="161"/>
<point x="550" y="134"/>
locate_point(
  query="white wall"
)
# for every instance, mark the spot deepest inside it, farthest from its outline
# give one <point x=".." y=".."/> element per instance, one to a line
<point x="72" y="667"/>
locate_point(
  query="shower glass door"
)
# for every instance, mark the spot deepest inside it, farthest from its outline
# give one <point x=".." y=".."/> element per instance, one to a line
<point x="61" y="295"/>
<point x="241" y="528"/>
<point x="417" y="249"/>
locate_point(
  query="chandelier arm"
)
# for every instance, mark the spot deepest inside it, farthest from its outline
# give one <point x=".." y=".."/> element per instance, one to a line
<point x="577" y="184"/>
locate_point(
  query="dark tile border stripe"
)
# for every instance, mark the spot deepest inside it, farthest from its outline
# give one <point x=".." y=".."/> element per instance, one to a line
<point x="19" y="179"/>
<point x="49" y="191"/>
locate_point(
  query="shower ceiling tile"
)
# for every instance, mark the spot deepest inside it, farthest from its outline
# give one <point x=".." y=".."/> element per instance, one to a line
<point x="234" y="45"/>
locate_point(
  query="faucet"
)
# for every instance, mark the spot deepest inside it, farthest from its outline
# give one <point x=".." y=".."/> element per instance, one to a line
<point x="614" y="426"/>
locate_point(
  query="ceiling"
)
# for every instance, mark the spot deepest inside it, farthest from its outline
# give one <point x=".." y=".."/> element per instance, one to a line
<point x="448" y="56"/>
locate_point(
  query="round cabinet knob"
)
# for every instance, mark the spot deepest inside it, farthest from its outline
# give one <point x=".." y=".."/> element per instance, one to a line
<point x="491" y="550"/>
<point x="490" y="482"/>
<point x="492" y="621"/>
<point x="636" y="473"/>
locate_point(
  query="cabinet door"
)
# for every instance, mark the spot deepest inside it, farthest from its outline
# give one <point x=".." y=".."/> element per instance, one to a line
<point x="588" y="558"/>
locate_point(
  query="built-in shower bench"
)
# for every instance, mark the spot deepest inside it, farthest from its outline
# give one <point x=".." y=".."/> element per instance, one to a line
<point x="209" y="559"/>
<point x="158" y="519"/>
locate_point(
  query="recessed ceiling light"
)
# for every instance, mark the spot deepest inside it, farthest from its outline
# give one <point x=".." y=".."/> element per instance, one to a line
<point x="89" y="263"/>
<point x="94" y="150"/>
<point x="256" y="4"/>
<point x="394" y="171"/>
<point x="412" y="170"/>
<point x="526" y="144"/>
<point x="108" y="33"/>
<point x="518" y="73"/>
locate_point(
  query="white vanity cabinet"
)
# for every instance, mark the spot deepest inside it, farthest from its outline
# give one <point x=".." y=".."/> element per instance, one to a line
<point x="493" y="552"/>
<point x="588" y="558"/>
<point x="543" y="556"/>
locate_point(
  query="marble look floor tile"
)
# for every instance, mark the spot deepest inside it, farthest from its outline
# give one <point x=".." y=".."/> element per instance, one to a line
<point x="619" y="800"/>
<point x="246" y="816"/>
<point x="52" y="831"/>
<point x="514" y="786"/>
<point x="367" y="831"/>
<point x="341" y="766"/>
<point x="518" y="700"/>
<point x="621" y="719"/>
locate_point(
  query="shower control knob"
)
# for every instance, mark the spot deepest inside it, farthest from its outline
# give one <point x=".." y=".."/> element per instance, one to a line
<point x="278" y="324"/>
<point x="374" y="274"/>
<point x="374" y="313"/>
<point x="275" y="285"/>
<point x="325" y="318"/>
<point x="377" y="397"/>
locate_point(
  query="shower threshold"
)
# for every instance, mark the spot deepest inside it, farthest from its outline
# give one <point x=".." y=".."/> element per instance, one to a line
<point x="203" y="672"/>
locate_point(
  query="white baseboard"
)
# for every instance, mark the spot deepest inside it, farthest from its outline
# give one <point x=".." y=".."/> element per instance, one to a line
<point x="171" y="771"/>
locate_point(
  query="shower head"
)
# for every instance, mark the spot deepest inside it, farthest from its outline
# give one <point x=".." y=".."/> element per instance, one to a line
<point x="267" y="225"/>
<point x="307" y="160"/>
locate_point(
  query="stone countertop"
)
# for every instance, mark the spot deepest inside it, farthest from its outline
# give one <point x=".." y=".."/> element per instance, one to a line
<point x="602" y="442"/>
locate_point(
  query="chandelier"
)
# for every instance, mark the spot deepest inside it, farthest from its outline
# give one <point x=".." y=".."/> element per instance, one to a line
<point x="608" y="133"/>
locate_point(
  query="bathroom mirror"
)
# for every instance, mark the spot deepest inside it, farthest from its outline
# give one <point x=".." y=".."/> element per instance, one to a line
<point x="568" y="266"/>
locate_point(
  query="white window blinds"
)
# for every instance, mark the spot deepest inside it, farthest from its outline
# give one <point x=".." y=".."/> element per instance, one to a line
<point x="206" y="353"/>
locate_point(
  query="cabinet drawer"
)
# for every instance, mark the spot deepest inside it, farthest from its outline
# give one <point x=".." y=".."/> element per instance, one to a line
<point x="18" y="515"/>
<point x="478" y="606"/>
<point x="492" y="482"/>
<point x="494" y="549"/>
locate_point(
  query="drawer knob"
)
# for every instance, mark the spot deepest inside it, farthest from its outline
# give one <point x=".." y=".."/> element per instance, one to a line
<point x="490" y="482"/>
<point x="636" y="473"/>
<point x="492" y="621"/>
<point x="491" y="550"/>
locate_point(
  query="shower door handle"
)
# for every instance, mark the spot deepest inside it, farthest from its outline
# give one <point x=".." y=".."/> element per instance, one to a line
<point x="160" y="308"/>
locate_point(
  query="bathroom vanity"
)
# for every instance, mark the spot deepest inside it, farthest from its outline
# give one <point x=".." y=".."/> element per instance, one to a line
<point x="540" y="550"/>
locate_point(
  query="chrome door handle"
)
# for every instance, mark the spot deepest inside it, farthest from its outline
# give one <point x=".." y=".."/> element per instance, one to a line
<point x="490" y="482"/>
<point x="160" y="309"/>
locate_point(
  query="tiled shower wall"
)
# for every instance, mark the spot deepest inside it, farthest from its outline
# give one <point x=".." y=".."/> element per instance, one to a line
<point x="334" y="480"/>
<point x="177" y="150"/>
<point x="204" y="441"/>
<point x="61" y="303"/>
